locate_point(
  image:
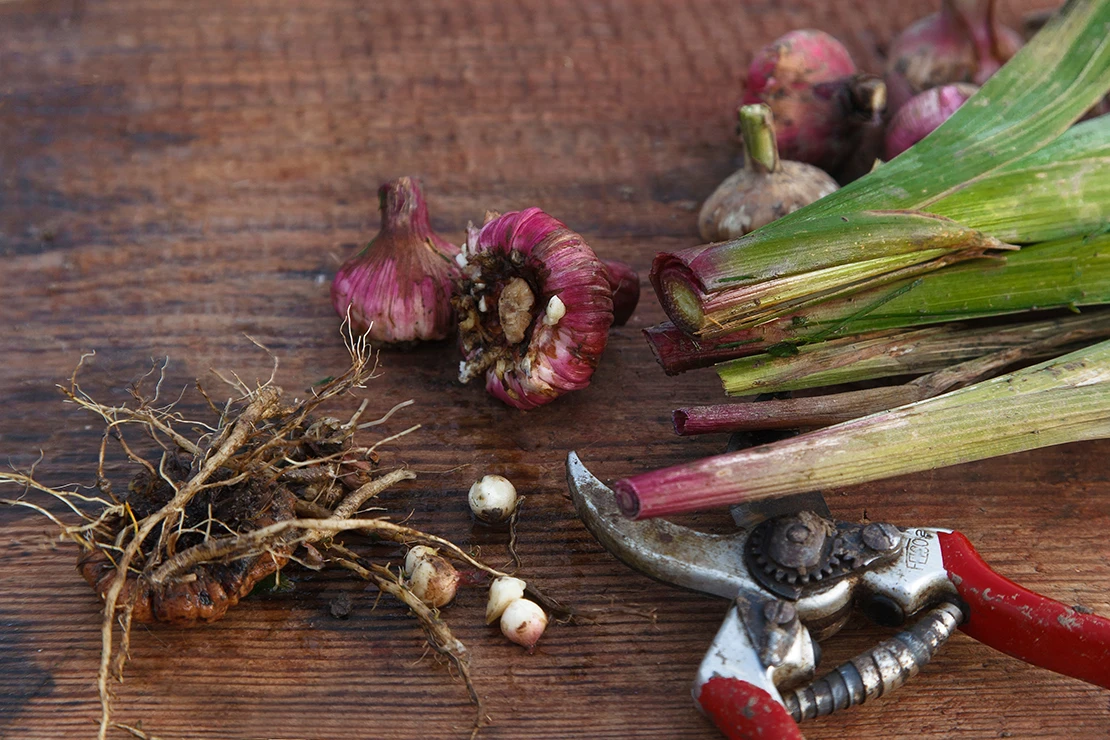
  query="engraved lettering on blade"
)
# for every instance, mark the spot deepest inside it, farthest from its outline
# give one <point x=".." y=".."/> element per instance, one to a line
<point x="917" y="550"/>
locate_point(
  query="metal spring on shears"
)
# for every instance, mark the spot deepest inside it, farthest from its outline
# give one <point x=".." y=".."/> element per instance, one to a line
<point x="873" y="673"/>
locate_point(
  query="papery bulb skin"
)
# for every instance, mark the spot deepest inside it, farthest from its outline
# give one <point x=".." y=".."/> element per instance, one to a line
<point x="534" y="307"/>
<point x="995" y="43"/>
<point x="922" y="114"/>
<point x="819" y="101"/>
<point x="765" y="189"/>
<point x="963" y="42"/>
<point x="746" y="200"/>
<point x="398" y="289"/>
<point x="624" y="281"/>
<point x="932" y="51"/>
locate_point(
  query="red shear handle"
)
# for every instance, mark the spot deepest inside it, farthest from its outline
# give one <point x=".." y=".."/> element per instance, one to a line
<point x="1023" y="624"/>
<point x="745" y="712"/>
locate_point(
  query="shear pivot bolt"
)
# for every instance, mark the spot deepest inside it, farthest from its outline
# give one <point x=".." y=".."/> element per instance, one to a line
<point x="881" y="536"/>
<point x="798" y="533"/>
<point x="797" y="542"/>
<point x="779" y="612"/>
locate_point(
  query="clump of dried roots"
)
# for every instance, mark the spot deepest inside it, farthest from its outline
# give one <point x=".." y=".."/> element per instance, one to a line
<point x="222" y="507"/>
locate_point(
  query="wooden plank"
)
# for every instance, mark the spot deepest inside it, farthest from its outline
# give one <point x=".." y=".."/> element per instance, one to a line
<point x="176" y="176"/>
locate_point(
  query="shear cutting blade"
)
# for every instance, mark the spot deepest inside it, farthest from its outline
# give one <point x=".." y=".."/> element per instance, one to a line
<point x="675" y="554"/>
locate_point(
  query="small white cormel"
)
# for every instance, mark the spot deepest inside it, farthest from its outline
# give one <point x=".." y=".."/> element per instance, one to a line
<point x="555" y="311"/>
<point x="523" y="622"/>
<point x="433" y="580"/>
<point x="503" y="591"/>
<point x="492" y="499"/>
<point x="416" y="554"/>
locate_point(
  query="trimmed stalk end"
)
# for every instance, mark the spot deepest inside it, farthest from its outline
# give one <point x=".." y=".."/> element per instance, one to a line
<point x="757" y="127"/>
<point x="627" y="499"/>
<point x="867" y="96"/>
<point x="679" y="417"/>
<point x="681" y="302"/>
<point x="403" y="207"/>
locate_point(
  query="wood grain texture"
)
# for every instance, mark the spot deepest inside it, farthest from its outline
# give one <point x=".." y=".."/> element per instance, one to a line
<point x="176" y="176"/>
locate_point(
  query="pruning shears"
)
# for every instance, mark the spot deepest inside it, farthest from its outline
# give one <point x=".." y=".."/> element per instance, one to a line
<point x="795" y="574"/>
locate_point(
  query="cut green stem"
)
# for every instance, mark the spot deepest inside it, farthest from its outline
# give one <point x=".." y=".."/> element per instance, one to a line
<point x="676" y="351"/>
<point x="857" y="251"/>
<point x="761" y="153"/>
<point x="1065" y="187"/>
<point x="1040" y="340"/>
<point x="1066" y="273"/>
<point x="1063" y="400"/>
<point x="789" y="413"/>
<point x="891" y="352"/>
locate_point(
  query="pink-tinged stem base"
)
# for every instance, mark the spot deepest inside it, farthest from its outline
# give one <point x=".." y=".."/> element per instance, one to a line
<point x="792" y="413"/>
<point x="706" y="484"/>
<point x="678" y="352"/>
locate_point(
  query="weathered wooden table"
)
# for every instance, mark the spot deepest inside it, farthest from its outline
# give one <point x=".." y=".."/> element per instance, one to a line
<point x="177" y="176"/>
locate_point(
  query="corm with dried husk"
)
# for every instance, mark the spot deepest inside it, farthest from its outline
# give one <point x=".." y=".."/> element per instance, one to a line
<point x="765" y="188"/>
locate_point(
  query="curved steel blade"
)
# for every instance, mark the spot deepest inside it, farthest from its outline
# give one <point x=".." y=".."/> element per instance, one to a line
<point x="681" y="556"/>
